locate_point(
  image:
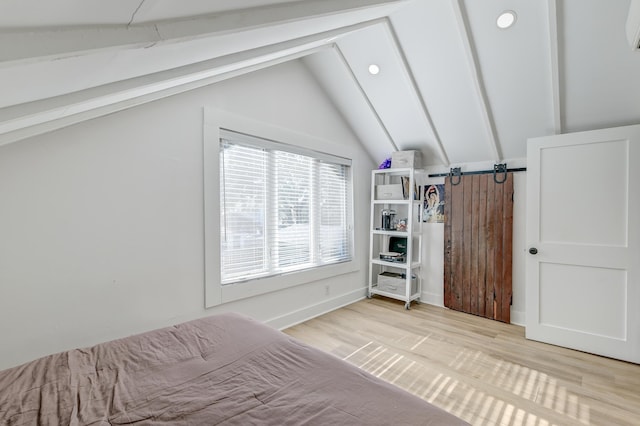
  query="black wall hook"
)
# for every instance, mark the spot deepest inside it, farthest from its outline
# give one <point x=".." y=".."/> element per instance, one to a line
<point x="499" y="168"/>
<point x="455" y="171"/>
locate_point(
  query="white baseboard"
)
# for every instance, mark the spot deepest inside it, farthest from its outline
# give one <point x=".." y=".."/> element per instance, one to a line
<point x="432" y="299"/>
<point x="306" y="313"/>
<point x="518" y="317"/>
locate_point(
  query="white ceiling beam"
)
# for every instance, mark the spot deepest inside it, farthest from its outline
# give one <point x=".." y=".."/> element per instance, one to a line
<point x="266" y="16"/>
<point x="27" y="120"/>
<point x="416" y="89"/>
<point x="476" y="77"/>
<point x="19" y="47"/>
<point x="555" y="67"/>
<point x="27" y="45"/>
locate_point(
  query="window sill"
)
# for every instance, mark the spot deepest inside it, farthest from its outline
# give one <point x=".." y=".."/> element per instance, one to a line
<point x="256" y="287"/>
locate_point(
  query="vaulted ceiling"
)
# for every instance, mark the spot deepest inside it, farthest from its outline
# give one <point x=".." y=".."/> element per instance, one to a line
<point x="451" y="83"/>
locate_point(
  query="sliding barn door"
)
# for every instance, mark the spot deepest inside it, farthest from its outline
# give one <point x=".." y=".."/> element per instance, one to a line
<point x="478" y="241"/>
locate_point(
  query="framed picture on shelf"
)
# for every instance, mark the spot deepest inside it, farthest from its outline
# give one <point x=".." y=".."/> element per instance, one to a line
<point x="405" y="188"/>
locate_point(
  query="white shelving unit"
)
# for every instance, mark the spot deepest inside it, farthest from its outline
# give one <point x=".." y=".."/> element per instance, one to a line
<point x="400" y="278"/>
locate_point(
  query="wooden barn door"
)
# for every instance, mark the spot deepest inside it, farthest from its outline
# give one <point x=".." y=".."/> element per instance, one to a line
<point x="478" y="241"/>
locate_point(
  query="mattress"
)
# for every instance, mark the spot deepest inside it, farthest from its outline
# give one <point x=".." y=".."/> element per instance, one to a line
<point x="221" y="370"/>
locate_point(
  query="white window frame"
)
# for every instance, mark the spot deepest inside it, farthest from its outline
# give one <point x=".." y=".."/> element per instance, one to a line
<point x="215" y="292"/>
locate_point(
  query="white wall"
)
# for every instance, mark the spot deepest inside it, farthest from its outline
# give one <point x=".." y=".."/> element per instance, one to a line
<point x="101" y="223"/>
<point x="432" y="272"/>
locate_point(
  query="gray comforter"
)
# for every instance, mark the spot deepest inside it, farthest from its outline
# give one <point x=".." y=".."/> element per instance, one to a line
<point x="225" y="369"/>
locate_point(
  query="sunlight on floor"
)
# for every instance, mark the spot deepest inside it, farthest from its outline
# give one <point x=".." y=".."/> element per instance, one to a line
<point x="516" y="383"/>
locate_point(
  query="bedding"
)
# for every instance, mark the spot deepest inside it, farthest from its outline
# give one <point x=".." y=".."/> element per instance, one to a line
<point x="221" y="370"/>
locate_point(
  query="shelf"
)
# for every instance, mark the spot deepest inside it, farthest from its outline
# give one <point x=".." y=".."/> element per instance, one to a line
<point x="394" y="233"/>
<point x="397" y="296"/>
<point x="392" y="201"/>
<point x="406" y="211"/>
<point x="392" y="171"/>
<point x="401" y="202"/>
<point x="390" y="233"/>
<point x="401" y="265"/>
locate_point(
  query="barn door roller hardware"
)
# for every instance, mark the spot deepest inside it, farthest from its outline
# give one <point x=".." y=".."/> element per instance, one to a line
<point x="455" y="172"/>
<point x="498" y="169"/>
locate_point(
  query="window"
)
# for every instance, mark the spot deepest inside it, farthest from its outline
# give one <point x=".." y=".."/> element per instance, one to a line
<point x="282" y="208"/>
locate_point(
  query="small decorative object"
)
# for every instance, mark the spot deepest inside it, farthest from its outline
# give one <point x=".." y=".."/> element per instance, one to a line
<point x="402" y="225"/>
<point x="387" y="219"/>
<point x="386" y="164"/>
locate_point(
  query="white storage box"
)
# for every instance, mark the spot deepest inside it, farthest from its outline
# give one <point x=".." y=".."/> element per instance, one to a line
<point x="394" y="283"/>
<point x="389" y="192"/>
<point x="404" y="159"/>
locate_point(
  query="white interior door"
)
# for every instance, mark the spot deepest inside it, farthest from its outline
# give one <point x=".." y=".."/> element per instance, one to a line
<point x="583" y="219"/>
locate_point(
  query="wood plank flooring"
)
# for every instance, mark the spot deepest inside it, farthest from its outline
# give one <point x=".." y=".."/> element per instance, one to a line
<point x="482" y="371"/>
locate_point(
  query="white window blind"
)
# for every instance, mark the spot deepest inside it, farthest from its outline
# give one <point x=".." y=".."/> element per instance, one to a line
<point x="283" y="208"/>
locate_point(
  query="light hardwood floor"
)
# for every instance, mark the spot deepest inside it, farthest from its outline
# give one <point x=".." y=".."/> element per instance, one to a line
<point x="482" y="371"/>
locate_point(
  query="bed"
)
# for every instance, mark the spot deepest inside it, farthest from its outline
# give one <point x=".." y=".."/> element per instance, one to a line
<point x="221" y="370"/>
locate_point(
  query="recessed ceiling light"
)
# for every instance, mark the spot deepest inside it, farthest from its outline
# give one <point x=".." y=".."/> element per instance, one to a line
<point x="374" y="69"/>
<point x="506" y="19"/>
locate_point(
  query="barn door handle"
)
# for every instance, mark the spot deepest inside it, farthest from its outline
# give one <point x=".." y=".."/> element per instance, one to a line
<point x="533" y="250"/>
<point x="499" y="168"/>
<point x="455" y="171"/>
